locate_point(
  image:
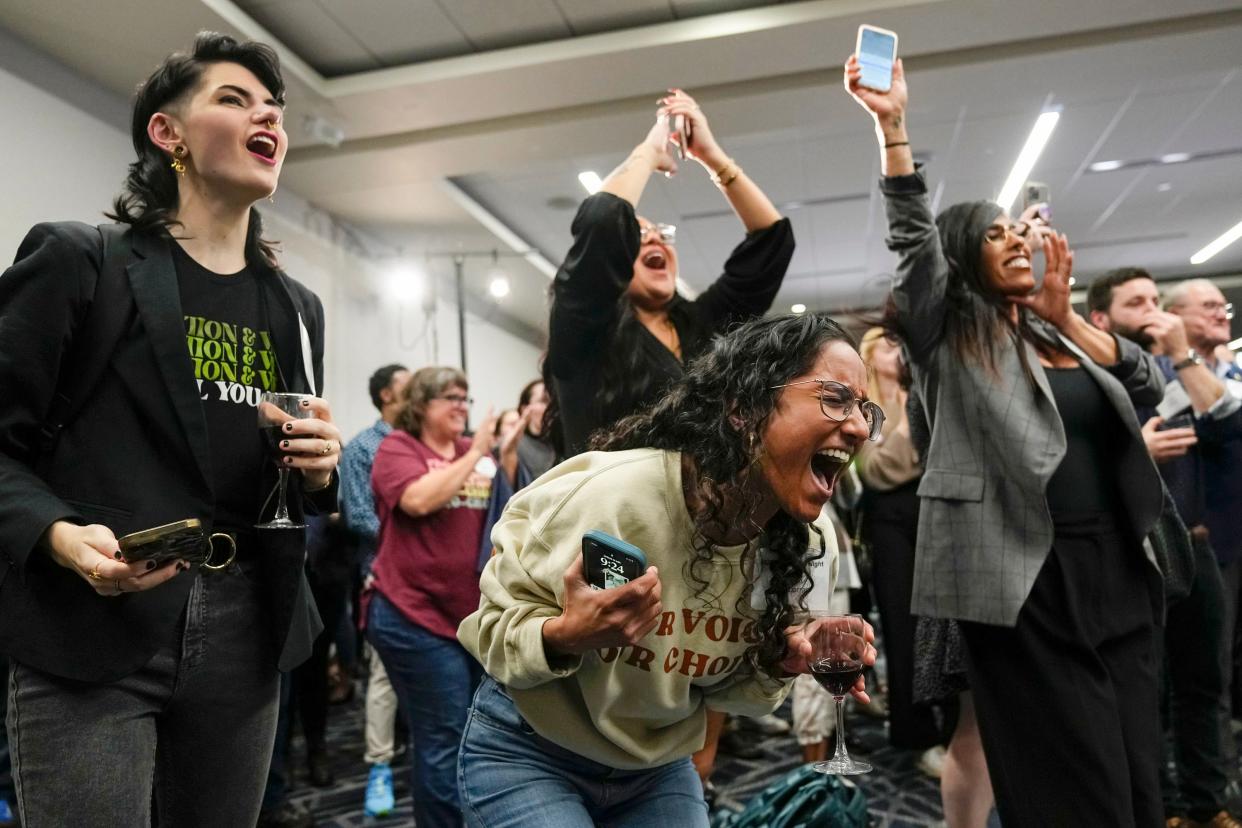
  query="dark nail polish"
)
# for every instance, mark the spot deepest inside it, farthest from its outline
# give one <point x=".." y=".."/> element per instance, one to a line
<point x="288" y="459"/>
<point x="288" y="426"/>
<point x="150" y="564"/>
<point x="117" y="554"/>
<point x="285" y="444"/>
<point x="306" y="403"/>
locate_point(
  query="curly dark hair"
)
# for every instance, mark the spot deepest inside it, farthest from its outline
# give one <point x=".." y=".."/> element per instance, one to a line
<point x="716" y="415"/>
<point x="150" y="197"/>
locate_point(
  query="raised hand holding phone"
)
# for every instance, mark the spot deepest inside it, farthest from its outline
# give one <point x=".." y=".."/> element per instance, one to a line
<point x="876" y="52"/>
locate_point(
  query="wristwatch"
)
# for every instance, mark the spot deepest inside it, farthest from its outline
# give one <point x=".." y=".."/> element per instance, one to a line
<point x="1192" y="358"/>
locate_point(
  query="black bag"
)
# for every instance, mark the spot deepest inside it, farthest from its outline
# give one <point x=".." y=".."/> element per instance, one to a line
<point x="802" y="797"/>
<point x="1174" y="550"/>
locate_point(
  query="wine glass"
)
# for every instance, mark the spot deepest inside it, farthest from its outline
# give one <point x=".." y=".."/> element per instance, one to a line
<point x="838" y="643"/>
<point x="275" y="410"/>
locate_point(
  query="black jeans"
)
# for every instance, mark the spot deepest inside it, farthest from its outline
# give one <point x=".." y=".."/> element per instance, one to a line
<point x="1068" y="700"/>
<point x="1195" y="651"/>
<point x="196" y="724"/>
<point x="6" y="775"/>
<point x="889" y="525"/>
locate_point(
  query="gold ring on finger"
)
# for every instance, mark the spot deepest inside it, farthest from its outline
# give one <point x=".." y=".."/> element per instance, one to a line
<point x="327" y="448"/>
<point x="94" y="573"/>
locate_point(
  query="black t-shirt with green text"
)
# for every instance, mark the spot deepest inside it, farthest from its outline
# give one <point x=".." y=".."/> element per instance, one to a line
<point x="229" y="339"/>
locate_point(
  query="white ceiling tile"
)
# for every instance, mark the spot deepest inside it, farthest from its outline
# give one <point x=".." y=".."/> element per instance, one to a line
<point x="522" y="21"/>
<point x="315" y="35"/>
<point x="592" y="16"/>
<point x="401" y="31"/>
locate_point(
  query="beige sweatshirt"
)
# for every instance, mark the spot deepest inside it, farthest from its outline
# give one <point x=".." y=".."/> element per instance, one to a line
<point x="631" y="707"/>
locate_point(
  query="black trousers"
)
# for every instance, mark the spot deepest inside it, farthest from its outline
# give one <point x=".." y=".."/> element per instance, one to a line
<point x="889" y="525"/>
<point x="1067" y="700"/>
<point x="1194" y="638"/>
<point x="310" y="679"/>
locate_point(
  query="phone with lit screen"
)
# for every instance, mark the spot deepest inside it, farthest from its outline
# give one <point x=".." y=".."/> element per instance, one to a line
<point x="876" y="51"/>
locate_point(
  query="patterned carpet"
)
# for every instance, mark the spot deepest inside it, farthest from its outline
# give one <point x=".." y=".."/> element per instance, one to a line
<point x="899" y="796"/>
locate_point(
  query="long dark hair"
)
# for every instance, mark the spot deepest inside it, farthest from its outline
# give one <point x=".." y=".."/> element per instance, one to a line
<point x="627" y="378"/>
<point x="716" y="415"/>
<point x="149" y="199"/>
<point x="977" y="318"/>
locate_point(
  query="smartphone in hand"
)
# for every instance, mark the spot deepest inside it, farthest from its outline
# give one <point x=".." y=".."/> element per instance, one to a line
<point x="610" y="562"/>
<point x="876" y="51"/>
<point x="1035" y="192"/>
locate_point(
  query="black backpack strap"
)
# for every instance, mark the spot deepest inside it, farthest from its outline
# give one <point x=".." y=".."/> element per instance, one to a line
<point x="96" y="338"/>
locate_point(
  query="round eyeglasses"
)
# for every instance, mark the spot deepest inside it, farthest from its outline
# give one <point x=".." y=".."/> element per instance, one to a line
<point x="837" y="402"/>
<point x="663" y="233"/>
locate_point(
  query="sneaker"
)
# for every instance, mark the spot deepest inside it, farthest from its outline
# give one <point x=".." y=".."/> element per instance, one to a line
<point x="931" y="762"/>
<point x="379" y="801"/>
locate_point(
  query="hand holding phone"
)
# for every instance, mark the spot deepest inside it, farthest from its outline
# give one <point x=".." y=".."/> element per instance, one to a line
<point x="611" y="562"/>
<point x="184" y="540"/>
<point x="597" y="619"/>
<point x="1037" y="193"/>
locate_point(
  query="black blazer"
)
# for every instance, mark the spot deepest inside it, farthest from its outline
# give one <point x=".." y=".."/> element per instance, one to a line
<point x="136" y="456"/>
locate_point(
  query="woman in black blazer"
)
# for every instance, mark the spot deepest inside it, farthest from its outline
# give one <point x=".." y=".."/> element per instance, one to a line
<point x="131" y="361"/>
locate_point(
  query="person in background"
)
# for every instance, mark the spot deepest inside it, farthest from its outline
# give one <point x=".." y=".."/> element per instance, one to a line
<point x="595" y="699"/>
<point x="890" y="472"/>
<point x="1206" y="315"/>
<point x="136" y="687"/>
<point x="1037" y="493"/>
<point x="619" y="333"/>
<point x="506" y="424"/>
<point x="535" y="452"/>
<point x="1126" y="302"/>
<point x="358" y="513"/>
<point x="431" y="488"/>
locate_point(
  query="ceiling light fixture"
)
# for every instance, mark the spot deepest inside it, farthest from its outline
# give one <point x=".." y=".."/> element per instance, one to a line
<point x="499" y="287"/>
<point x="798" y="308"/>
<point x="590" y="181"/>
<point x="1224" y="240"/>
<point x="1175" y="158"/>
<point x="1105" y="166"/>
<point x="1035" y="143"/>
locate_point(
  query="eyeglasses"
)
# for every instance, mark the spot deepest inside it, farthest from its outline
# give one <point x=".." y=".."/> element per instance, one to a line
<point x="837" y="402"/>
<point x="456" y="399"/>
<point x="1211" y="308"/>
<point x="997" y="233"/>
<point x="664" y="233"/>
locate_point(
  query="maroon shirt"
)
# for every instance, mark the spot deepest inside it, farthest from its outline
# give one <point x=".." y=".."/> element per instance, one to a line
<point x="426" y="565"/>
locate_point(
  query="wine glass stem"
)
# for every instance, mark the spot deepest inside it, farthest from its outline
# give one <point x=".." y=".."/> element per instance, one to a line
<point x="840" y="755"/>
<point x="282" y="510"/>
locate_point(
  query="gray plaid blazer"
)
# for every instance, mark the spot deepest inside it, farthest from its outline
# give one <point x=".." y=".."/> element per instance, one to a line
<point x="984" y="525"/>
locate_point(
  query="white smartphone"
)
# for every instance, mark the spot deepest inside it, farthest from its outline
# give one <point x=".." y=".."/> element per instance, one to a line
<point x="876" y="50"/>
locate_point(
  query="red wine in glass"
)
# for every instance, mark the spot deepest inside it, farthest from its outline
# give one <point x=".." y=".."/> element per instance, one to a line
<point x="838" y="643"/>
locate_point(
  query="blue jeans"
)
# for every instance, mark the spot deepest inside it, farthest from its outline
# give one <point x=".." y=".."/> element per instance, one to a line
<point x="196" y="723"/>
<point x="433" y="678"/>
<point x="510" y="776"/>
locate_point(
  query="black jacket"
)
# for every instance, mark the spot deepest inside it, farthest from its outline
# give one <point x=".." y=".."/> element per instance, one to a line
<point x="136" y="456"/>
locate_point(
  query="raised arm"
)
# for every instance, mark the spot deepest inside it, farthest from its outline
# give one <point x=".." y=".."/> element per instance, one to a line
<point x="921" y="279"/>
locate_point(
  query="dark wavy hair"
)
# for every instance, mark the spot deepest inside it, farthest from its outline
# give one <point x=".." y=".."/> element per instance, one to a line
<point x="150" y="197"/>
<point x="716" y="415"/>
<point x="977" y="317"/>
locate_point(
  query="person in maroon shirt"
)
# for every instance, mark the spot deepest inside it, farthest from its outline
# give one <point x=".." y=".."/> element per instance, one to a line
<point x="431" y="490"/>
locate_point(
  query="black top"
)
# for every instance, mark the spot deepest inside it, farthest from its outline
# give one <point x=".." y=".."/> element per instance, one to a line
<point x="1086" y="480"/>
<point x="228" y="334"/>
<point x="589" y="293"/>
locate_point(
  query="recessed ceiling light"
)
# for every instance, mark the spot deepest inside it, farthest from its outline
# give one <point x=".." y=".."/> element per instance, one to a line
<point x="591" y="181"/>
<point x="1073" y="281"/>
<point x="798" y="308"/>
<point x="1035" y="143"/>
<point x="1175" y="158"/>
<point x="1105" y="166"/>
<point x="1164" y="187"/>
<point x="1224" y="240"/>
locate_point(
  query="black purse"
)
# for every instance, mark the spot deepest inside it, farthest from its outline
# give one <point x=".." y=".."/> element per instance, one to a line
<point x="1174" y="550"/>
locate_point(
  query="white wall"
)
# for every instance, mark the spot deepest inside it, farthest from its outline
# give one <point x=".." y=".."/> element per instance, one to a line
<point x="59" y="162"/>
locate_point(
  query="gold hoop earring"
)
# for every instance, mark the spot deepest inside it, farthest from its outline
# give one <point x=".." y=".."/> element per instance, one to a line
<point x="178" y="164"/>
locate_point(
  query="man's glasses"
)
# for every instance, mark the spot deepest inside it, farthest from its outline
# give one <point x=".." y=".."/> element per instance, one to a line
<point x="1211" y="308"/>
<point x="457" y="399"/>
<point x="664" y="233"/>
<point x="837" y="402"/>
